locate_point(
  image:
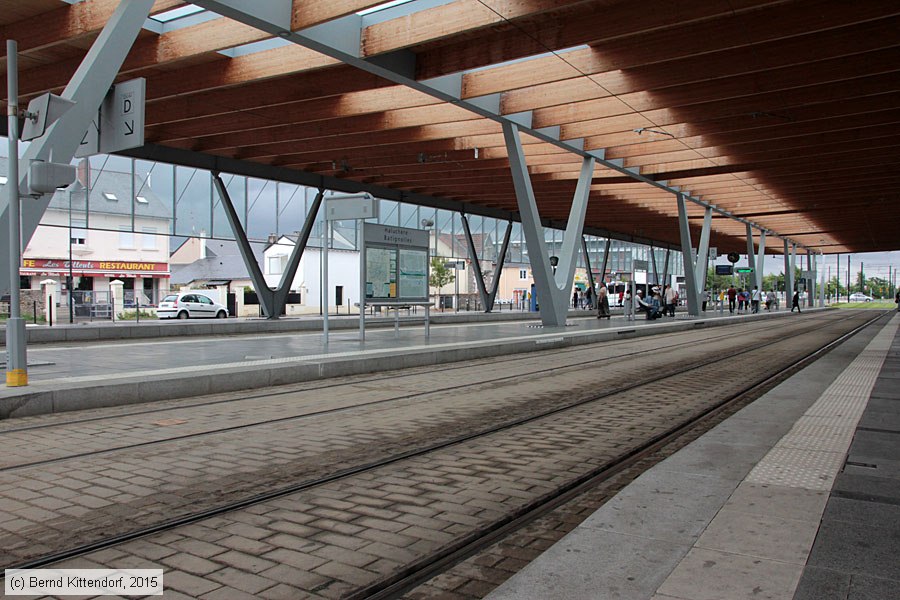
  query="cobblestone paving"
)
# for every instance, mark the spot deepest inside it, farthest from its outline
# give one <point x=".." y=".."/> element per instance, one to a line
<point x="335" y="538"/>
<point x="87" y="498"/>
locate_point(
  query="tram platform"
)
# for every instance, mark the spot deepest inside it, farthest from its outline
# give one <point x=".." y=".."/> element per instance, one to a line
<point x="109" y="368"/>
<point x="797" y="496"/>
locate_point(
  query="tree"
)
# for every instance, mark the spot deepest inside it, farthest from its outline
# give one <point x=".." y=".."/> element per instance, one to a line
<point x="834" y="288"/>
<point x="440" y="274"/>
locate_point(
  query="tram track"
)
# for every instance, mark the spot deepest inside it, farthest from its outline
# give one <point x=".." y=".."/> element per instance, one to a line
<point x="420" y="452"/>
<point x="549" y="355"/>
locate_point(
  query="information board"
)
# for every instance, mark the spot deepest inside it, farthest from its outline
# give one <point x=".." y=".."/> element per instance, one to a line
<point x="395" y="263"/>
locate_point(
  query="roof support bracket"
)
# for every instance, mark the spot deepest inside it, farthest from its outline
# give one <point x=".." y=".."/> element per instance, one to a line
<point x="587" y="264"/>
<point x="487" y="296"/>
<point x="758" y="264"/>
<point x="687" y="255"/>
<point x="703" y="251"/>
<point x="552" y="286"/>
<point x="272" y="301"/>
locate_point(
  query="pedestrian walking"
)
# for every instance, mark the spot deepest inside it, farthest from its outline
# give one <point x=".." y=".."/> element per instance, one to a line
<point x="795" y="302"/>
<point x="575" y="299"/>
<point x="897" y="300"/>
<point x="770" y="300"/>
<point x="628" y="305"/>
<point x="706" y="298"/>
<point x="732" y="296"/>
<point x="602" y="303"/>
<point x="754" y="300"/>
<point x="589" y="299"/>
<point x="671" y="296"/>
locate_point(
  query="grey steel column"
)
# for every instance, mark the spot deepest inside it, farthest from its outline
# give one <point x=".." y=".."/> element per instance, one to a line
<point x="703" y="252"/>
<point x="263" y="292"/>
<point x="287" y="278"/>
<point x="487" y="296"/>
<point x="553" y="297"/>
<point x="653" y="262"/>
<point x="587" y="264"/>
<point x="788" y="274"/>
<point x="760" y="260"/>
<point x="476" y="265"/>
<point x="750" y="252"/>
<point x="271" y="300"/>
<point x="793" y="265"/>
<point x="16" y="358"/>
<point x="690" y="278"/>
<point x="811" y="295"/>
<point x="605" y="262"/>
<point x="666" y="266"/>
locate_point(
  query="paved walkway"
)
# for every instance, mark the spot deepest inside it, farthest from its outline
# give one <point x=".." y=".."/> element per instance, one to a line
<point x="737" y="513"/>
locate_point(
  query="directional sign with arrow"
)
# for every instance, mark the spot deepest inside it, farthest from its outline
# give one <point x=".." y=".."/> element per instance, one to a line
<point x="120" y="123"/>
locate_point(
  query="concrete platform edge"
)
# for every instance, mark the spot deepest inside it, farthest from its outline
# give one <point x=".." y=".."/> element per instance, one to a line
<point x="36" y="400"/>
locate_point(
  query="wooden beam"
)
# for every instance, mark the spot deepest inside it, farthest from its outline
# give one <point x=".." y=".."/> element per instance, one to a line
<point x="461" y="16"/>
<point x="353" y="104"/>
<point x="307" y="13"/>
<point x="68" y="23"/>
<point x="150" y="51"/>
<point x="702" y="27"/>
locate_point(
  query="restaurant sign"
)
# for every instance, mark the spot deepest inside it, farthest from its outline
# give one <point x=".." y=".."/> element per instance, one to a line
<point x="93" y="268"/>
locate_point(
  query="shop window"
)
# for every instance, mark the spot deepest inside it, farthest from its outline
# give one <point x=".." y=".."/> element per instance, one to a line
<point x="126" y="238"/>
<point x="24" y="282"/>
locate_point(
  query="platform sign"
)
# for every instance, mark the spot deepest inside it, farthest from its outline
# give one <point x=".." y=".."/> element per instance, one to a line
<point x="119" y="124"/>
<point x="724" y="269"/>
<point x="743" y="270"/>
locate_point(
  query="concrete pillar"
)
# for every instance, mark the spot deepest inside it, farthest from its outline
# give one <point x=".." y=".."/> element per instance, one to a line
<point x="50" y="294"/>
<point x="117" y="290"/>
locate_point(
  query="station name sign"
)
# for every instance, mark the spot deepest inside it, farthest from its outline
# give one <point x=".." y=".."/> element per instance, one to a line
<point x="395" y="236"/>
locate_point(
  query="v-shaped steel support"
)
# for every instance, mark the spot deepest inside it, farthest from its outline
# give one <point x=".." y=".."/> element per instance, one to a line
<point x="687" y="252"/>
<point x="760" y="257"/>
<point x="587" y="264"/>
<point x="487" y="296"/>
<point x="272" y="300"/>
<point x="552" y="285"/>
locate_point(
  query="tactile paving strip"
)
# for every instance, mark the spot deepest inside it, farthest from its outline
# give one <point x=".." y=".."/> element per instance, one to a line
<point x="812" y="453"/>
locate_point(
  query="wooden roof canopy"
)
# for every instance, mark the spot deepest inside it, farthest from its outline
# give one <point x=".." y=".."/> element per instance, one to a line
<point x="785" y="113"/>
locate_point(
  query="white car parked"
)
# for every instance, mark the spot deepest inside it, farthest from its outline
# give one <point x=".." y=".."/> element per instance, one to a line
<point x="190" y="305"/>
<point x="859" y="297"/>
